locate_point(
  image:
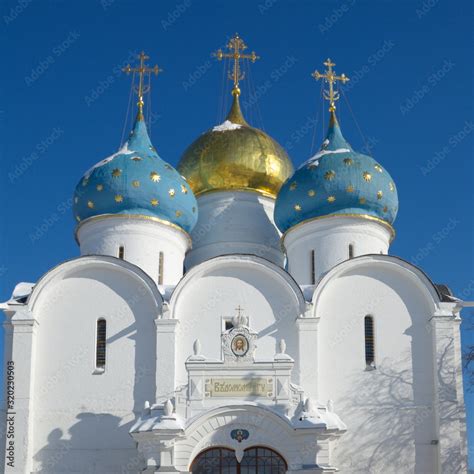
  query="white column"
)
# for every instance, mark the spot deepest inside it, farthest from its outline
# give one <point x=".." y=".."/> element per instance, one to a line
<point x="20" y="360"/>
<point x="306" y="366"/>
<point x="235" y="222"/>
<point x="142" y="240"/>
<point x="328" y="240"/>
<point x="449" y="406"/>
<point x="165" y="358"/>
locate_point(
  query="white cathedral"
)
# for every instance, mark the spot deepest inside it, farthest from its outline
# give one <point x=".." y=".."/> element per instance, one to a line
<point x="234" y="316"/>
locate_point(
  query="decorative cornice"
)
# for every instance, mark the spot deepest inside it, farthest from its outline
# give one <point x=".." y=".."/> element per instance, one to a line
<point x="132" y="217"/>
<point x="351" y="216"/>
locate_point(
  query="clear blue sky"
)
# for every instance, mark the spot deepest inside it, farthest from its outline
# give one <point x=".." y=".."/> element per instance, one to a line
<point x="63" y="107"/>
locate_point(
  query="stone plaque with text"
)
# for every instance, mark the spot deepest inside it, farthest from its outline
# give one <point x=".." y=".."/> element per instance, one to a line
<point x="239" y="387"/>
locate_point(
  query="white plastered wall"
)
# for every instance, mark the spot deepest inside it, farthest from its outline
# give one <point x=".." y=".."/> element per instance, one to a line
<point x="235" y="222"/>
<point x="142" y="240"/>
<point x="81" y="418"/>
<point x="213" y="290"/>
<point x="327" y="241"/>
<point x="391" y="412"/>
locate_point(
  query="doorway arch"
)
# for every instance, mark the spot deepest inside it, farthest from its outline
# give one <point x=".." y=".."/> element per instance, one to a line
<point x="256" y="460"/>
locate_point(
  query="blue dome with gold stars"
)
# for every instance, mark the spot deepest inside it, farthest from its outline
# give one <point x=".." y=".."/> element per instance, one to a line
<point x="136" y="181"/>
<point x="336" y="181"/>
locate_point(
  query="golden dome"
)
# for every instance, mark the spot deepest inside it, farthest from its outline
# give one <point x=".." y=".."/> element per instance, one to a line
<point x="235" y="156"/>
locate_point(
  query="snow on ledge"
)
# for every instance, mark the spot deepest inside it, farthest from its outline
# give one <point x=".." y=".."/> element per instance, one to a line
<point x="315" y="159"/>
<point x="123" y="151"/>
<point x="227" y="125"/>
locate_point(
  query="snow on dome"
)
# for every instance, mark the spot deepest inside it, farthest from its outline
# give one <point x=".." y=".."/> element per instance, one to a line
<point x="123" y="151"/>
<point x="315" y="159"/>
<point x="226" y="126"/>
<point x="136" y="181"/>
<point x="336" y="181"/>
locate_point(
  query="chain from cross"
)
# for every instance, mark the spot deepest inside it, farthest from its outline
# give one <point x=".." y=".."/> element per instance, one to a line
<point x="331" y="78"/>
<point x="236" y="45"/>
<point x="142" y="88"/>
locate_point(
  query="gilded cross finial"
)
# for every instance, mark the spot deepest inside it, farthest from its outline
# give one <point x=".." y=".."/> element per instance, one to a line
<point x="331" y="78"/>
<point x="239" y="310"/>
<point x="142" y="88"/>
<point x="236" y="45"/>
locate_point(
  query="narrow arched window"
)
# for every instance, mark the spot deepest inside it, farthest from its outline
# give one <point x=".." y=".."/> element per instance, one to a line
<point x="369" y="342"/>
<point x="351" y="251"/>
<point x="161" y="263"/>
<point x="313" y="267"/>
<point x="100" y="344"/>
<point x="121" y="252"/>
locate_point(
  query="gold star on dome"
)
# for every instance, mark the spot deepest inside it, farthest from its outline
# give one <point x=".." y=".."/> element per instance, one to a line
<point x="367" y="176"/>
<point x="85" y="181"/>
<point x="379" y="194"/>
<point x="116" y="172"/>
<point x="331" y="198"/>
<point x="378" y="168"/>
<point x="90" y="204"/>
<point x="311" y="193"/>
<point x="155" y="177"/>
<point x="154" y="202"/>
<point x="118" y="198"/>
<point x="348" y="161"/>
<point x="168" y="167"/>
<point x="99" y="187"/>
<point x="78" y="219"/>
<point x="329" y="175"/>
<point x="184" y="189"/>
<point x="362" y="200"/>
<point x="172" y="192"/>
<point x="178" y="213"/>
<point x="293" y="186"/>
<point x="391" y="186"/>
<point x="136" y="158"/>
<point x="136" y="183"/>
<point x="385" y="209"/>
<point x="350" y="188"/>
<point x="297" y="207"/>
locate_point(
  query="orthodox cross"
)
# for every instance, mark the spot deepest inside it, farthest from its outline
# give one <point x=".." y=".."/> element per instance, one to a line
<point x="330" y="77"/>
<point x="236" y="45"/>
<point x="142" y="88"/>
<point x="239" y="310"/>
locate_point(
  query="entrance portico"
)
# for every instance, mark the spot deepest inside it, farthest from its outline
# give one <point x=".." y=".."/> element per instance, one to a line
<point x="237" y="406"/>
